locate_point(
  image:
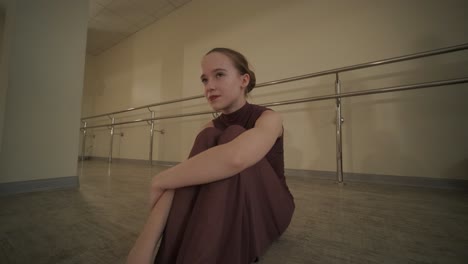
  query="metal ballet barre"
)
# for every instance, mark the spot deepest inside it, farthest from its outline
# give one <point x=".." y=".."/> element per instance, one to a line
<point x="337" y="96"/>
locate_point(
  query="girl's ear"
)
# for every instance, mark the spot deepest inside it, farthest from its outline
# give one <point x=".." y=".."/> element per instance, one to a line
<point x="245" y="80"/>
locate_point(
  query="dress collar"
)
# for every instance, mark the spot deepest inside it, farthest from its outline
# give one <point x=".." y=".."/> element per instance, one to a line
<point x="237" y="117"/>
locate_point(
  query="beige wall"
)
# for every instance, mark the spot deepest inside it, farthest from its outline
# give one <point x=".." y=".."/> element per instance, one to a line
<point x="3" y="63"/>
<point x="416" y="133"/>
<point x="2" y="75"/>
<point x="43" y="99"/>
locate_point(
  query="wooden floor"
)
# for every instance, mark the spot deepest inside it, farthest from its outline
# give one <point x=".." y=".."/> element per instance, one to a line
<point x="355" y="223"/>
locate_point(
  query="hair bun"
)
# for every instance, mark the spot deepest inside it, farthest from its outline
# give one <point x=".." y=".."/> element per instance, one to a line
<point x="252" y="82"/>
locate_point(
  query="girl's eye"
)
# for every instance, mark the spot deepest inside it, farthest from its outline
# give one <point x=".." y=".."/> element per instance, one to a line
<point x="204" y="80"/>
<point x="219" y="74"/>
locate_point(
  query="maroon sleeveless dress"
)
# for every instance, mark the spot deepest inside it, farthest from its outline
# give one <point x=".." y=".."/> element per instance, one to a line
<point x="231" y="221"/>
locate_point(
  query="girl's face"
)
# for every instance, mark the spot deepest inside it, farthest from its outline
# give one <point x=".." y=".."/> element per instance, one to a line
<point x="224" y="85"/>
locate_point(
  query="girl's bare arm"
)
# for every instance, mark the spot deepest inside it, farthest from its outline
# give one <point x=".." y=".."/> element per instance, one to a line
<point x="225" y="160"/>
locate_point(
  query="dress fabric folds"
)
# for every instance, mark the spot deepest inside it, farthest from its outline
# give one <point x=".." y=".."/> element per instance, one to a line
<point x="231" y="221"/>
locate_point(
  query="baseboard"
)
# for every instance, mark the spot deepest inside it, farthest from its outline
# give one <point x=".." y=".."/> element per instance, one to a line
<point x="84" y="157"/>
<point x="313" y="174"/>
<point x="350" y="177"/>
<point x="165" y="163"/>
<point x="135" y="161"/>
<point x="39" y="185"/>
<point x="439" y="183"/>
<point x="121" y="160"/>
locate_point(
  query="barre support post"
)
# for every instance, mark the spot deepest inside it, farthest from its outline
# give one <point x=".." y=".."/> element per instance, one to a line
<point x="111" y="140"/>
<point x="151" y="139"/>
<point x="83" y="144"/>
<point x="339" y="121"/>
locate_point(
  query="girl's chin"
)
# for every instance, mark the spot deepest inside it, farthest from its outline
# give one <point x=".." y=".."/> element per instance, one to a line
<point x="215" y="106"/>
<point x="216" y="109"/>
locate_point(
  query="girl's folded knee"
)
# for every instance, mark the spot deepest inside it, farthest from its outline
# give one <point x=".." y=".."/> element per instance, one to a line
<point x="210" y="132"/>
<point x="208" y="135"/>
<point x="231" y="133"/>
<point x="207" y="138"/>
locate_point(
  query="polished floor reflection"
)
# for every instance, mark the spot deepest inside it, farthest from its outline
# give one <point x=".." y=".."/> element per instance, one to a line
<point x="356" y="223"/>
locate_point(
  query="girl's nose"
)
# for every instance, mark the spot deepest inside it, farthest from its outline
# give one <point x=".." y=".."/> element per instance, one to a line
<point x="209" y="86"/>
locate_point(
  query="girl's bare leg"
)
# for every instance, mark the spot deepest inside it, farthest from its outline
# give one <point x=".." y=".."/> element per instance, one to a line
<point x="144" y="249"/>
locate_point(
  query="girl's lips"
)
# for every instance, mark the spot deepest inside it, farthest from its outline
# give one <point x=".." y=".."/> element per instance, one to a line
<point x="213" y="97"/>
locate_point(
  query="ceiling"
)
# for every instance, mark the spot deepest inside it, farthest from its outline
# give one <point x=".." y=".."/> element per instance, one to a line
<point x="111" y="21"/>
